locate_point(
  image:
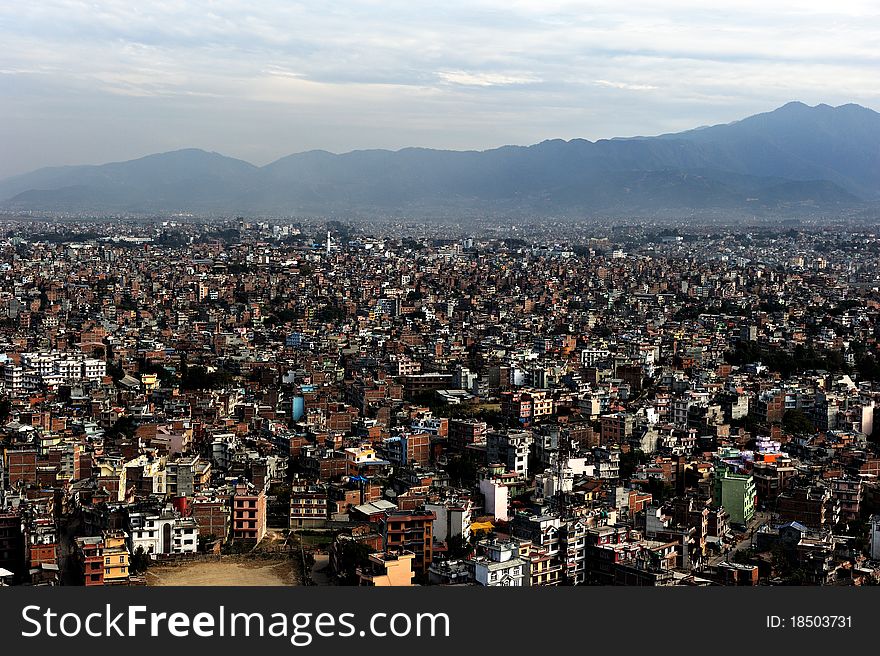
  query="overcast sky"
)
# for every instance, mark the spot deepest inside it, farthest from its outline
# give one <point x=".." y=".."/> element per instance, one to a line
<point x="91" y="82"/>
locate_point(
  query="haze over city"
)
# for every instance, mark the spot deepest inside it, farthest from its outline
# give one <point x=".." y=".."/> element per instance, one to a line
<point x="109" y="81"/>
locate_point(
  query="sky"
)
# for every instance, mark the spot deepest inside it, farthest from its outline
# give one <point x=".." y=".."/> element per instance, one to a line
<point x="91" y="82"/>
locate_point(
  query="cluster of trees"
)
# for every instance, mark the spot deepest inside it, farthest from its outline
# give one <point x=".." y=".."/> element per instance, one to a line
<point x="801" y="358"/>
<point x="199" y="378"/>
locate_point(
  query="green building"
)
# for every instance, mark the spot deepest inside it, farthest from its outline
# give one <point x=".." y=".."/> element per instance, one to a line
<point x="737" y="494"/>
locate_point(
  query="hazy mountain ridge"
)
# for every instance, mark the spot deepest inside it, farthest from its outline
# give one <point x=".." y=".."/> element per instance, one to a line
<point x="795" y="156"/>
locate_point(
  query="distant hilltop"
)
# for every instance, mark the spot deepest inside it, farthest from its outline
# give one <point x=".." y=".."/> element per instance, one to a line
<point x="796" y="158"/>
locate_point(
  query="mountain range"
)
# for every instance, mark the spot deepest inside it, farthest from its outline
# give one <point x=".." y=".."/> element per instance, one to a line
<point x="796" y="158"/>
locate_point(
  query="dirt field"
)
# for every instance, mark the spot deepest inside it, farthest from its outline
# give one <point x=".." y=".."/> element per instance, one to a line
<point x="225" y="573"/>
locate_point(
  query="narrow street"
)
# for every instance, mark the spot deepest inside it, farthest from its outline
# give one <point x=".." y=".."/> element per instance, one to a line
<point x="745" y="540"/>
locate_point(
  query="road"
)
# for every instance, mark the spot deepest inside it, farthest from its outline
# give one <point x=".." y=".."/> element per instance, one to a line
<point x="744" y="541"/>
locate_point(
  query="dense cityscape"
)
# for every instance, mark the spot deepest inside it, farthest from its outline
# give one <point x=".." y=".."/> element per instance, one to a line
<point x="295" y="402"/>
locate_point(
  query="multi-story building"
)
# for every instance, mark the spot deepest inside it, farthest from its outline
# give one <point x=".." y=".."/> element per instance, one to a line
<point x="390" y="569"/>
<point x="163" y="533"/>
<point x="499" y="564"/>
<point x="212" y="516"/>
<point x="737" y="494"/>
<point x="848" y="493"/>
<point x="464" y="432"/>
<point x="186" y="475"/>
<point x="564" y="541"/>
<point x="248" y="513"/>
<point x="104" y="560"/>
<point x="410" y="531"/>
<point x="811" y="505"/>
<point x="21" y="466"/>
<point x="90" y="556"/>
<point x="772" y="477"/>
<point x="408" y="449"/>
<point x="511" y="449"/>
<point x="12" y="545"/>
<point x="617" y="428"/>
<point x="309" y="505"/>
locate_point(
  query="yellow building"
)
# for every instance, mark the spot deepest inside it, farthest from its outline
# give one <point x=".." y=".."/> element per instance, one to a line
<point x="386" y="570"/>
<point x="116" y="557"/>
<point x="150" y="381"/>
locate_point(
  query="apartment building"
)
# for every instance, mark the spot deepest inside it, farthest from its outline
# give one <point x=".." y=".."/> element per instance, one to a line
<point x="390" y="569"/>
<point x="411" y="531"/>
<point x="248" y="513"/>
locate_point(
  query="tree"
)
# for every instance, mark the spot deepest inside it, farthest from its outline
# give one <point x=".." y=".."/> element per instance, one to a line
<point x="140" y="561"/>
<point x="124" y="427"/>
<point x="352" y="555"/>
<point x="741" y="557"/>
<point x="462" y="470"/>
<point x="459" y="548"/>
<point x="795" y="421"/>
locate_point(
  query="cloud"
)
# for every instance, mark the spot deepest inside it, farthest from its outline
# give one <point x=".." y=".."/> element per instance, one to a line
<point x="281" y="75"/>
<point x="625" y="85"/>
<point x="484" y="79"/>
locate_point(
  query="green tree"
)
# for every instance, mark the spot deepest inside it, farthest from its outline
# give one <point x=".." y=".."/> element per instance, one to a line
<point x="795" y="421"/>
<point x="352" y="555"/>
<point x="459" y="548"/>
<point x="140" y="561"/>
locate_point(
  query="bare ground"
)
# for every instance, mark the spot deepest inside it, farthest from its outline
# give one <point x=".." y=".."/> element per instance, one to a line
<point x="227" y="572"/>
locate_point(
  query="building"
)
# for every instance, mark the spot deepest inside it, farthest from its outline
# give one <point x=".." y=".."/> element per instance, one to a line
<point x="248" y="513"/>
<point x="500" y="564"/>
<point x="527" y="406"/>
<point x="391" y="569"/>
<point x="309" y="505"/>
<point x="848" y="493"/>
<point x="12" y="544"/>
<point x="811" y="505"/>
<point x="453" y="518"/>
<point x="772" y="477"/>
<point x="21" y="467"/>
<point x="465" y="432"/>
<point x="186" y="475"/>
<point x="163" y="533"/>
<point x="736" y="493"/>
<point x="511" y="449"/>
<point x="212" y="516"/>
<point x="875" y="538"/>
<point x="116" y="558"/>
<point x="617" y="427"/>
<point x="90" y="556"/>
<point x="408" y="449"/>
<point x="410" y="531"/>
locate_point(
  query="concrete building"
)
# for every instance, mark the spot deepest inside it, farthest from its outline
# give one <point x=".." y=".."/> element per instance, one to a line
<point x="410" y="531"/>
<point x="499" y="564"/>
<point x="248" y="514"/>
<point x="737" y="494"/>
<point x="875" y="538"/>
<point x="391" y="569"/>
<point x="511" y="449"/>
<point x="163" y="533"/>
<point x="309" y="505"/>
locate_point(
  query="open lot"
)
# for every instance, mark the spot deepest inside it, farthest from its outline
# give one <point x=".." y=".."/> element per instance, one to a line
<point x="225" y="573"/>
